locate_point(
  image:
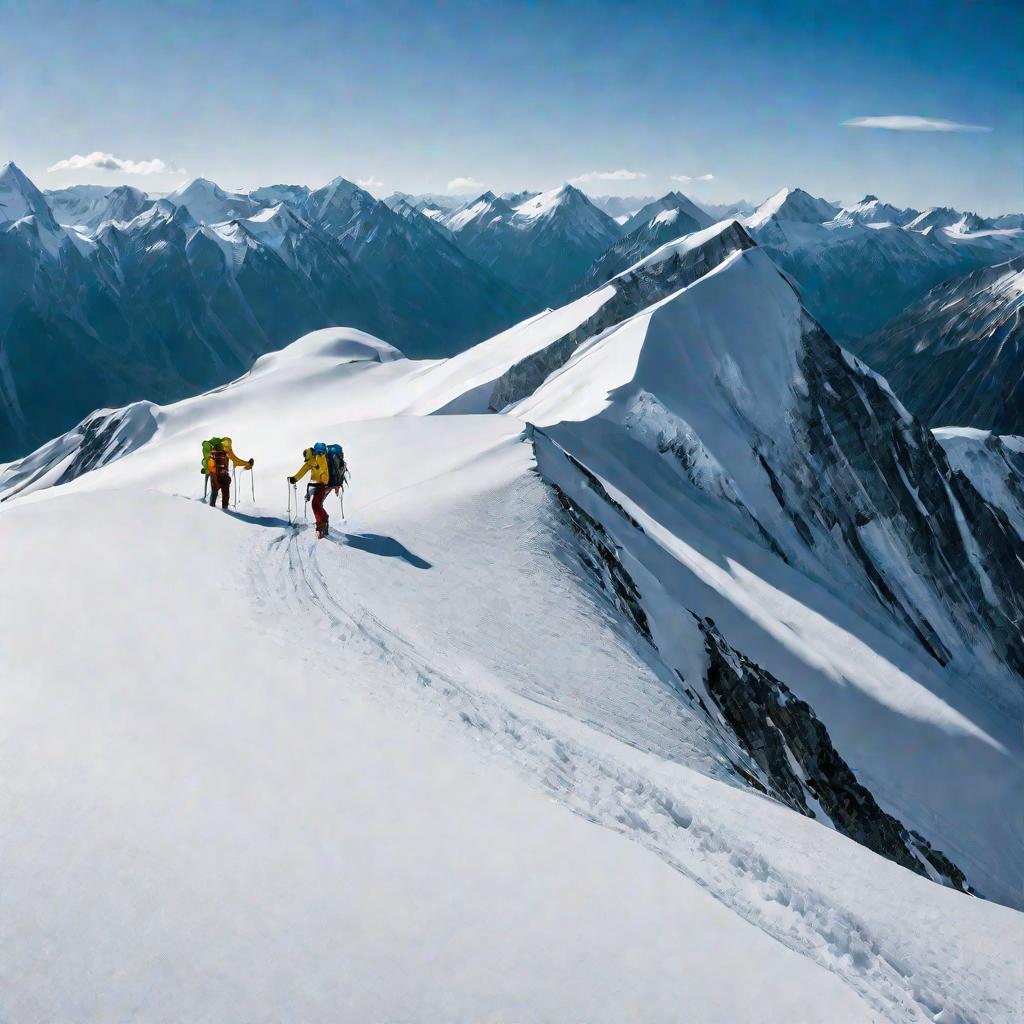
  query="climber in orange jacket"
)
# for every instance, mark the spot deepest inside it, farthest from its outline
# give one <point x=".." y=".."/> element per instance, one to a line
<point x="218" y="468"/>
<point x="316" y="466"/>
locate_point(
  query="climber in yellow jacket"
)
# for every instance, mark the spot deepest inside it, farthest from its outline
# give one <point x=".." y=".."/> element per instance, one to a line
<point x="218" y="468"/>
<point x="316" y="466"/>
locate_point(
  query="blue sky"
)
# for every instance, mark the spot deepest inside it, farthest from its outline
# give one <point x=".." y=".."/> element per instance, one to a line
<point x="522" y="95"/>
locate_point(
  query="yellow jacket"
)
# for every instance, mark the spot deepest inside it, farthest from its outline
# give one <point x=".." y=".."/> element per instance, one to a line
<point x="316" y="466"/>
<point x="225" y="445"/>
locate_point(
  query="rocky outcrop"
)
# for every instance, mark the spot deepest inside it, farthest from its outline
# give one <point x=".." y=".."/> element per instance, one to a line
<point x="873" y="476"/>
<point x="600" y="557"/>
<point x="800" y="765"/>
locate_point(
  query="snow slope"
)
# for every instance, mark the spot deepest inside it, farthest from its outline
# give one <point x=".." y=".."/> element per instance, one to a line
<point x="86" y="207"/>
<point x="666" y="558"/>
<point x="387" y="783"/>
<point x="513" y="615"/>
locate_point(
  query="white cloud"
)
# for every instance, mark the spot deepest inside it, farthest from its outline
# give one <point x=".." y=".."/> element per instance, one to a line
<point x="369" y="183"/>
<point x="464" y="184"/>
<point x="620" y="175"/>
<point x="108" y="162"/>
<point x="687" y="179"/>
<point x="911" y="123"/>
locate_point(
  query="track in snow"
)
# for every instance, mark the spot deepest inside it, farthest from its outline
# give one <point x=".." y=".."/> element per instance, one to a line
<point x="592" y="774"/>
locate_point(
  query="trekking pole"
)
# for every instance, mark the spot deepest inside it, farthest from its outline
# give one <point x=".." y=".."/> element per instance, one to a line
<point x="206" y="484"/>
<point x="252" y="484"/>
<point x="234" y="483"/>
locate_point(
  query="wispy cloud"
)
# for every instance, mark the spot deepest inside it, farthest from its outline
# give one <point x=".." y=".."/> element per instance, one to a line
<point x="687" y="179"/>
<point x="912" y="123"/>
<point x="464" y="184"/>
<point x="369" y="183"/>
<point x="108" y="162"/>
<point x="620" y="175"/>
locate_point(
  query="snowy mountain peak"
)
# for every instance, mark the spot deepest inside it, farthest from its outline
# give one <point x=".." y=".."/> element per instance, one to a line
<point x="88" y="208"/>
<point x="694" y="217"/>
<point x="338" y="202"/>
<point x="197" y="188"/>
<point x="935" y="217"/>
<point x="479" y="212"/>
<point x="20" y="198"/>
<point x="545" y="203"/>
<point x="210" y="204"/>
<point x="871" y="210"/>
<point x="792" y="204"/>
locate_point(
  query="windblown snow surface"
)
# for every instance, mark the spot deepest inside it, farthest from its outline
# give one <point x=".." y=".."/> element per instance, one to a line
<point x="462" y="760"/>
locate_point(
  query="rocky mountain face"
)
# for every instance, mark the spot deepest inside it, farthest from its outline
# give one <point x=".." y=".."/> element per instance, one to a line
<point x="671" y="202"/>
<point x="956" y="356"/>
<point x="163" y="300"/>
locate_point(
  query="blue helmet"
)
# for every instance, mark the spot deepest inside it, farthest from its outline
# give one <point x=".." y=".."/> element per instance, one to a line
<point x="320" y="448"/>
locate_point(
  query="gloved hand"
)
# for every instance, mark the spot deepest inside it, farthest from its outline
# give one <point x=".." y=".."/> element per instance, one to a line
<point x="292" y="480"/>
<point x="251" y="461"/>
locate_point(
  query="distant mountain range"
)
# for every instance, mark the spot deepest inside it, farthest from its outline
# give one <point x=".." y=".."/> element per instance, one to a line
<point x="106" y="296"/>
<point x="109" y="295"/>
<point x="859" y="266"/>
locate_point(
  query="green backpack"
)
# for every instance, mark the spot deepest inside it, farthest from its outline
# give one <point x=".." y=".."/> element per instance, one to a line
<point x="208" y="447"/>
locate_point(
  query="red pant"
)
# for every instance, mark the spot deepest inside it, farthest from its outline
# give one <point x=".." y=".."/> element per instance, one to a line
<point x="220" y="485"/>
<point x="319" y="493"/>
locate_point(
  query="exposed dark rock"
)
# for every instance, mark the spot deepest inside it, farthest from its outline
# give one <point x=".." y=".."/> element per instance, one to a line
<point x="865" y="463"/>
<point x="792" y="747"/>
<point x="600" y="556"/>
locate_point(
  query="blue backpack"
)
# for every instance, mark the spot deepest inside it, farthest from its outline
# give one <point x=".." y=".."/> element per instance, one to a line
<point x="336" y="466"/>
